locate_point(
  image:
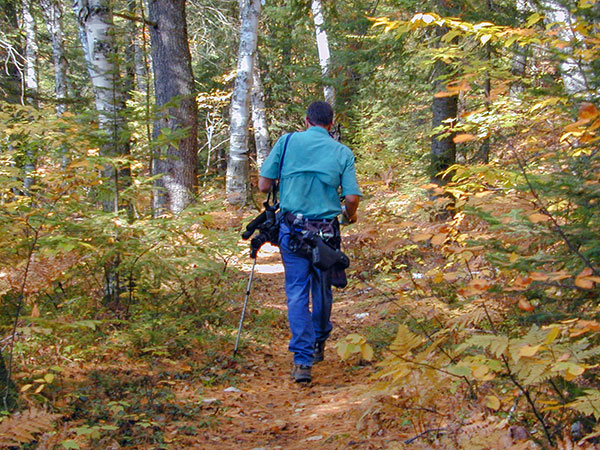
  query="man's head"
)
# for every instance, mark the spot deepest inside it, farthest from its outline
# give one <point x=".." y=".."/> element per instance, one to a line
<point x="319" y="114"/>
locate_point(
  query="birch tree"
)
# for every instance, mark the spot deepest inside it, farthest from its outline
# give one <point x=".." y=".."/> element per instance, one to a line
<point x="98" y="40"/>
<point x="31" y="82"/>
<point x="52" y="13"/>
<point x="176" y="161"/>
<point x="237" y="166"/>
<point x="31" y="53"/>
<point x="574" y="72"/>
<point x="259" y="116"/>
<point x="323" y="49"/>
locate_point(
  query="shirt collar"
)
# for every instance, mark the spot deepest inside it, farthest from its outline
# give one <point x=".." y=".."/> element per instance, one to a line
<point x="317" y="129"/>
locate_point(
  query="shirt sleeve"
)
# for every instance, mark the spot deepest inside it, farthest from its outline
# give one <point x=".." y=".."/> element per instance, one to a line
<point x="349" y="183"/>
<point x="270" y="168"/>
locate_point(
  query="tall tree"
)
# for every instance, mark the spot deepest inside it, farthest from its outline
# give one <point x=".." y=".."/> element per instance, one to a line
<point x="259" y="116"/>
<point x="31" y="81"/>
<point x="99" y="44"/>
<point x="323" y="49"/>
<point x="176" y="162"/>
<point x="31" y="53"/>
<point x="444" y="108"/>
<point x="52" y="13"/>
<point x="237" y="166"/>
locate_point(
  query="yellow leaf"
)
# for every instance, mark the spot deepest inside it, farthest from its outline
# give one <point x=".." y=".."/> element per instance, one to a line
<point x="438" y="277"/>
<point x="39" y="389"/>
<point x="26" y="387"/>
<point x="513" y="258"/>
<point x="367" y="352"/>
<point x="573" y="371"/>
<point x="480" y="372"/>
<point x="493" y="402"/>
<point x="49" y="378"/>
<point x="554" y="332"/>
<point x="529" y="350"/>
<point x="355" y="338"/>
<point x="342" y="350"/>
<point x="460" y="138"/>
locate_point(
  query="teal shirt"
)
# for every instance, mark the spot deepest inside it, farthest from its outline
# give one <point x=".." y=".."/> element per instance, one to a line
<point x="315" y="168"/>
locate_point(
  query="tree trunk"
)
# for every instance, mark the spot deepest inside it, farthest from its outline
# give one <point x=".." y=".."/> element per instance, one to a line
<point x="8" y="390"/>
<point x="174" y="82"/>
<point x="52" y="12"/>
<point x="237" y="166"/>
<point x="323" y="49"/>
<point x="99" y="44"/>
<point x="574" y="72"/>
<point x="259" y="116"/>
<point x="31" y="54"/>
<point x="31" y="83"/>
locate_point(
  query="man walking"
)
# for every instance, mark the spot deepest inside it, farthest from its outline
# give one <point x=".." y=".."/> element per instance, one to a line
<point x="312" y="168"/>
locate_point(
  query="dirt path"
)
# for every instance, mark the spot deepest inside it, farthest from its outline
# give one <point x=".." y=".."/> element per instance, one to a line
<point x="270" y="411"/>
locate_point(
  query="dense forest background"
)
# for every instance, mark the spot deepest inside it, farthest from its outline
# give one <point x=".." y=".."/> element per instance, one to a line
<point x="131" y="136"/>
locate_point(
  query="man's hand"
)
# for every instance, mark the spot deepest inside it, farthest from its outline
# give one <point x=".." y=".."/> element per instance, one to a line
<point x="350" y="207"/>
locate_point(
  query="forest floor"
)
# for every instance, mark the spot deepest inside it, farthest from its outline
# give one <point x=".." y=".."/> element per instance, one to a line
<point x="116" y="393"/>
<point x="268" y="410"/>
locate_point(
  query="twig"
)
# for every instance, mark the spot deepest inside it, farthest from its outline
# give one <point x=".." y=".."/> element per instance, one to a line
<point x="424" y="433"/>
<point x="135" y="19"/>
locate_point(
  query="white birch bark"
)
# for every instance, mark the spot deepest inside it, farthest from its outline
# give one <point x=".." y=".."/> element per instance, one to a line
<point x="31" y="82"/>
<point x="259" y="116"/>
<point x="574" y="72"/>
<point x="323" y="49"/>
<point x="95" y="17"/>
<point x="52" y="12"/>
<point x="99" y="45"/>
<point x="31" y="52"/>
<point x="237" y="165"/>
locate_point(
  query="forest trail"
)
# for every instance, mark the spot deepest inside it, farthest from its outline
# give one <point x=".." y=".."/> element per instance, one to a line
<point x="271" y="411"/>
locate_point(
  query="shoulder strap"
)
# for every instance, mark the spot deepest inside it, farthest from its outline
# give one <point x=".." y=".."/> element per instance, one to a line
<point x="275" y="188"/>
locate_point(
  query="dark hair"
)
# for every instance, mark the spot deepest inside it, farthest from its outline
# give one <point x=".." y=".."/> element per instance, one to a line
<point x="320" y="113"/>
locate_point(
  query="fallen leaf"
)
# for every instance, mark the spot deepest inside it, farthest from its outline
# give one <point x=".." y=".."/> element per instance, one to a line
<point x="493" y="402"/>
<point x="538" y="218"/>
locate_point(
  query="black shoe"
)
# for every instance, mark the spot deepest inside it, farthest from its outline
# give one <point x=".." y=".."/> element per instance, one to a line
<point x="319" y="354"/>
<point x="301" y="373"/>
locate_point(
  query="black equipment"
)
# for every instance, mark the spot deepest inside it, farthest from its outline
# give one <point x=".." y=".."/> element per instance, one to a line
<point x="267" y="225"/>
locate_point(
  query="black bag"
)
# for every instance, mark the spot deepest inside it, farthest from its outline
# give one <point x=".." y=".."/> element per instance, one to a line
<point x="325" y="256"/>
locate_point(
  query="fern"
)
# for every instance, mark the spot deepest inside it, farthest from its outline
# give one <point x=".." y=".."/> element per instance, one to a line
<point x="405" y="340"/>
<point x="588" y="404"/>
<point x="21" y="427"/>
<point x="495" y="344"/>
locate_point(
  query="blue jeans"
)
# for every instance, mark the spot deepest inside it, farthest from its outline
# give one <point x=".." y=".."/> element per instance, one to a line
<point x="301" y="280"/>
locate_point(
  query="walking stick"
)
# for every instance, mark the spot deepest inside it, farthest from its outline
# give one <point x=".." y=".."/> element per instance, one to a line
<point x="237" y="339"/>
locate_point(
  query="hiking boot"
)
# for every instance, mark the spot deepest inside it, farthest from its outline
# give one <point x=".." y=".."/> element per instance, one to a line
<point x="319" y="354"/>
<point x="301" y="373"/>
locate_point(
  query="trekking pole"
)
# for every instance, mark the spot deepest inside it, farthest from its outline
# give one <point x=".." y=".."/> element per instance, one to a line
<point x="237" y="339"/>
